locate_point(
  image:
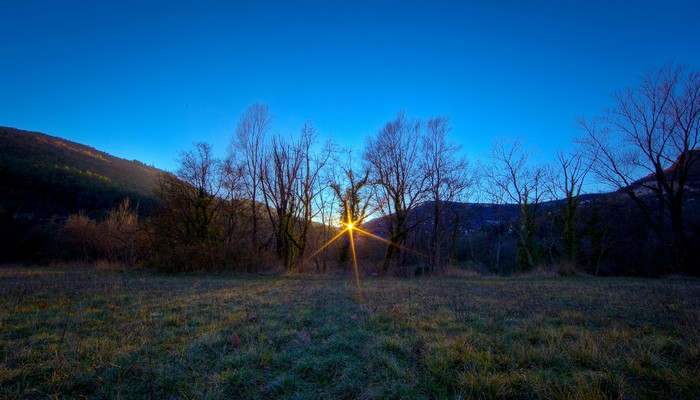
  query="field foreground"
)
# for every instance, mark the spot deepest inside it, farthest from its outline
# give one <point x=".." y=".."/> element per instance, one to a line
<point x="83" y="333"/>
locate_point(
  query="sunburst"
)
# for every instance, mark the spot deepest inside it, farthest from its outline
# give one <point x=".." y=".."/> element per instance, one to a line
<point x="350" y="226"/>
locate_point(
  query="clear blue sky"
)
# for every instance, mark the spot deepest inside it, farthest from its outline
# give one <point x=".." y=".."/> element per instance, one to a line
<point x="145" y="79"/>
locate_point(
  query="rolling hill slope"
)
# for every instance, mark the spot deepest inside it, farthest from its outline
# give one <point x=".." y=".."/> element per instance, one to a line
<point x="43" y="176"/>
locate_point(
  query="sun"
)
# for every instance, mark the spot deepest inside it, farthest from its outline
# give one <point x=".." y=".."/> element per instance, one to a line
<point x="350" y="225"/>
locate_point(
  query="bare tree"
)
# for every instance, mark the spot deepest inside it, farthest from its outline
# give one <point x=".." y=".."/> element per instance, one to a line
<point x="309" y="185"/>
<point x="394" y="159"/>
<point x="280" y="176"/>
<point x="511" y="175"/>
<point x="568" y="182"/>
<point x="233" y="194"/>
<point x="248" y="148"/>
<point x="190" y="205"/>
<point x="646" y="147"/>
<point x="120" y="232"/>
<point x="447" y="180"/>
<point x="353" y="193"/>
<point x="80" y="231"/>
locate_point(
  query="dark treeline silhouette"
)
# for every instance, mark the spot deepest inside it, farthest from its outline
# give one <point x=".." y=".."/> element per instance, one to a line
<point x="417" y="206"/>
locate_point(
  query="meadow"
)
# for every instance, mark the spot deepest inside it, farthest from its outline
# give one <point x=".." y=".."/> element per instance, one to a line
<point x="82" y="333"/>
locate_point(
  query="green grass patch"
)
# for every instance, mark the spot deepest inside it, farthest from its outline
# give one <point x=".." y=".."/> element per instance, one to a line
<point x="82" y="333"/>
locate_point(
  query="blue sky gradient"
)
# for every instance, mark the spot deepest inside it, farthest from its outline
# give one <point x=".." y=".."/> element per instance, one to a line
<point x="144" y="80"/>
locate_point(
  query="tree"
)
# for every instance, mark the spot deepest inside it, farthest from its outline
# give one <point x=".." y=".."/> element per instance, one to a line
<point x="568" y="184"/>
<point x="82" y="232"/>
<point x="120" y="231"/>
<point x="353" y="193"/>
<point x="235" y="226"/>
<point x="188" y="221"/>
<point x="511" y="175"/>
<point x="394" y="160"/>
<point x="447" y="179"/>
<point x="248" y="147"/>
<point x="280" y="175"/>
<point x="309" y="185"/>
<point x="646" y="146"/>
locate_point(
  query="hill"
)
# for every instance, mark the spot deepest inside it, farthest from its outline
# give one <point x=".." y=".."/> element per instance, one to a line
<point x="43" y="176"/>
<point x="473" y="216"/>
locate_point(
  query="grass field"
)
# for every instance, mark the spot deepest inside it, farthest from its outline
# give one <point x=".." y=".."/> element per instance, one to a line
<point x="83" y="333"/>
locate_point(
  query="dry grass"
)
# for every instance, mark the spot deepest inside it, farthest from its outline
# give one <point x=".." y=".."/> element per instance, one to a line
<point x="104" y="334"/>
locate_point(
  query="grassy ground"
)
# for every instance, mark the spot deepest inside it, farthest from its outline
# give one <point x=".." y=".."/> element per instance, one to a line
<point x="81" y="333"/>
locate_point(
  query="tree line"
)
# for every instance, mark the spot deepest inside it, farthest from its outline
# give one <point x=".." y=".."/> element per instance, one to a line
<point x="275" y="200"/>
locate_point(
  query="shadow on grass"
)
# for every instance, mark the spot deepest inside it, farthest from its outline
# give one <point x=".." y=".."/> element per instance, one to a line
<point x="80" y="332"/>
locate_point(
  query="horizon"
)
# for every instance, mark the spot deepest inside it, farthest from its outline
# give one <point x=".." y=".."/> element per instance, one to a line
<point x="144" y="82"/>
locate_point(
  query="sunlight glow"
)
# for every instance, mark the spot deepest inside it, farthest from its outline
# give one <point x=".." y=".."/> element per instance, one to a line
<point x="350" y="227"/>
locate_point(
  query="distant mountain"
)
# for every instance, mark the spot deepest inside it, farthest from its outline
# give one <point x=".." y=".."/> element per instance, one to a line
<point x="692" y="185"/>
<point x="43" y="176"/>
<point x="471" y="216"/>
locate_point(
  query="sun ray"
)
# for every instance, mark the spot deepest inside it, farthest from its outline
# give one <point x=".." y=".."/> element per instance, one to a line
<point x="350" y="227"/>
<point x="389" y="242"/>
<point x="328" y="243"/>
<point x="354" y="262"/>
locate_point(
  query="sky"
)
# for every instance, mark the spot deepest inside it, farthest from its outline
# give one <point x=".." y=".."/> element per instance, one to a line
<point x="146" y="79"/>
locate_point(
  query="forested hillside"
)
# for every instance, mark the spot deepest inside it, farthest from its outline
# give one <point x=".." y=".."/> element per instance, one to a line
<point x="42" y="176"/>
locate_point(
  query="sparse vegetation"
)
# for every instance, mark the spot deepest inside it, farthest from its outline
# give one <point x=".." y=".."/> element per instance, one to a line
<point x="68" y="332"/>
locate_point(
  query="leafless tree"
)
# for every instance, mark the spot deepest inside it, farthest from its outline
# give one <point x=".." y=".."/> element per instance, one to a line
<point x="233" y="194"/>
<point x="188" y="221"/>
<point x="448" y="178"/>
<point x="326" y="204"/>
<point x="119" y="233"/>
<point x="394" y="160"/>
<point x="646" y="146"/>
<point x="248" y="149"/>
<point x="510" y="174"/>
<point x="568" y="182"/>
<point x="310" y="184"/>
<point x="280" y="177"/>
<point x="353" y="193"/>
<point x="83" y="233"/>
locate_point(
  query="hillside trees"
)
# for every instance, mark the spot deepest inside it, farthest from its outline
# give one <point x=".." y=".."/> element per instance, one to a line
<point x="653" y="130"/>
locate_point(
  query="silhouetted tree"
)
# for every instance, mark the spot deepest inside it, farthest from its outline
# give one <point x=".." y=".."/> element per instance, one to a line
<point x="353" y="195"/>
<point x="447" y="180"/>
<point x="280" y="176"/>
<point x="309" y="186"/>
<point x="394" y="160"/>
<point x="569" y="178"/>
<point x="189" y="218"/>
<point x="248" y="148"/>
<point x="511" y="175"/>
<point x="235" y="225"/>
<point x="646" y="147"/>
